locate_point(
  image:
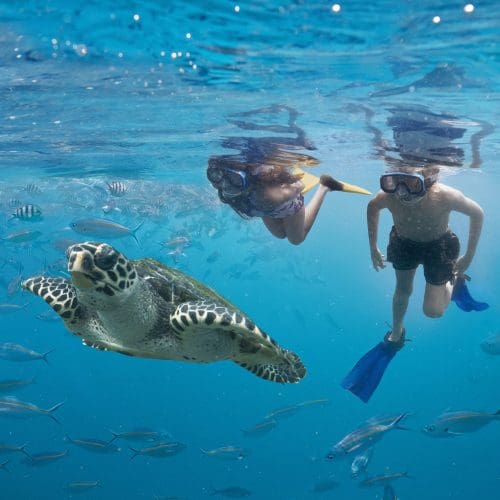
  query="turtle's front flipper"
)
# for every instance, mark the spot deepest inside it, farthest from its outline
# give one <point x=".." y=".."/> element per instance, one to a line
<point x="58" y="293"/>
<point x="250" y="347"/>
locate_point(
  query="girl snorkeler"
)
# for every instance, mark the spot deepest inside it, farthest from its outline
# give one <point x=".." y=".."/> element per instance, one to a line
<point x="272" y="192"/>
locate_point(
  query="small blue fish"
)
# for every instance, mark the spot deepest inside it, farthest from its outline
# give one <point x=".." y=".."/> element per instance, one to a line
<point x="103" y="228"/>
<point x="16" y="352"/>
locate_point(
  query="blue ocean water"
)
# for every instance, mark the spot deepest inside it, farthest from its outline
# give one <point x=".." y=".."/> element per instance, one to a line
<point x="143" y="93"/>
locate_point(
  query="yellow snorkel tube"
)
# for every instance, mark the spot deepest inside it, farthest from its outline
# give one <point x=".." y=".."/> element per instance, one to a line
<point x="310" y="180"/>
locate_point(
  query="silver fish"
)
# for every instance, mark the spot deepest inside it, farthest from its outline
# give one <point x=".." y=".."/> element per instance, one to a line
<point x="160" y="450"/>
<point x="22" y="236"/>
<point x="361" y="461"/>
<point x="16" y="352"/>
<point x="362" y="438"/>
<point x="49" y="315"/>
<point x="226" y="453"/>
<point x="456" y="423"/>
<point x="10" y="385"/>
<point x="15" y="282"/>
<point x="3" y="466"/>
<point x="383" y="479"/>
<point x="95" y="445"/>
<point x="138" y="435"/>
<point x="285" y="411"/>
<point x="314" y="402"/>
<point x="231" y="492"/>
<point x="9" y="448"/>
<point x="82" y="486"/>
<point x="43" y="458"/>
<point x="261" y="428"/>
<point x="28" y="213"/>
<point x="491" y="344"/>
<point x="11" y="308"/>
<point x="103" y="228"/>
<point x="14" y="408"/>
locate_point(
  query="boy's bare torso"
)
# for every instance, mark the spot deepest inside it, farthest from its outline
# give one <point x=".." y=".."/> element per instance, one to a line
<point x="428" y="219"/>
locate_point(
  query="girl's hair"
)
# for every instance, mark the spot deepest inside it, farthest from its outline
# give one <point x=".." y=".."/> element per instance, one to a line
<point x="275" y="170"/>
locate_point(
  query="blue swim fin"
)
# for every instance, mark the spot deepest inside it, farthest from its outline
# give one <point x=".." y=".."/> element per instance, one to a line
<point x="367" y="373"/>
<point x="462" y="297"/>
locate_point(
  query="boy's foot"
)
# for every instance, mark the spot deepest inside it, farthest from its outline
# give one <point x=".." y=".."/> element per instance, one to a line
<point x="395" y="344"/>
<point x="332" y="184"/>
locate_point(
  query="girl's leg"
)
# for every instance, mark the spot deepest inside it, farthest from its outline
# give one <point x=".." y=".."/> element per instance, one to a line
<point x="275" y="226"/>
<point x="404" y="289"/>
<point x="297" y="226"/>
<point x="437" y="299"/>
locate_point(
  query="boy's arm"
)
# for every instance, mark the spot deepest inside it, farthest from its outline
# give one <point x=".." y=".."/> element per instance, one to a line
<point x="464" y="205"/>
<point x="377" y="203"/>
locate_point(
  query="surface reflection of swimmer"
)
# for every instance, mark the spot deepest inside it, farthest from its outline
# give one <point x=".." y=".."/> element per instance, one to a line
<point x="264" y="179"/>
<point x="422" y="137"/>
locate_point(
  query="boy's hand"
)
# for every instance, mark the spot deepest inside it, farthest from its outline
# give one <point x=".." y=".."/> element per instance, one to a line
<point x="377" y="259"/>
<point x="462" y="264"/>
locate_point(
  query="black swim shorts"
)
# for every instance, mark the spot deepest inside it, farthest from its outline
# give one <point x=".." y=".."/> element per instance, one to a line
<point x="437" y="256"/>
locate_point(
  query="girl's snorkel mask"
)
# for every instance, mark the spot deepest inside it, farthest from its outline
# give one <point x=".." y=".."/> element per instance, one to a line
<point x="230" y="182"/>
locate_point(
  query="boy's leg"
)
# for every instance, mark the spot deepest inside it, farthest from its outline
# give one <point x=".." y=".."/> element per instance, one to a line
<point x="404" y="289"/>
<point x="437" y="299"/>
<point x="298" y="225"/>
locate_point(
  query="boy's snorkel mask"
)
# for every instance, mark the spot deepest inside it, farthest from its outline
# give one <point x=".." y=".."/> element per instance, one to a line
<point x="407" y="187"/>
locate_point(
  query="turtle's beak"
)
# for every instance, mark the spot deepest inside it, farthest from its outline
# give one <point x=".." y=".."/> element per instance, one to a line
<point x="77" y="269"/>
<point x="80" y="280"/>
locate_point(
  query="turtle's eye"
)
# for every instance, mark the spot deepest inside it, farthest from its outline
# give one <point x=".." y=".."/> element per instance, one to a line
<point x="105" y="257"/>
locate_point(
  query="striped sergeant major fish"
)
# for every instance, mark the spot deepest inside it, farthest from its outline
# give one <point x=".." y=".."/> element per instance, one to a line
<point x="117" y="188"/>
<point x="32" y="189"/>
<point x="28" y="212"/>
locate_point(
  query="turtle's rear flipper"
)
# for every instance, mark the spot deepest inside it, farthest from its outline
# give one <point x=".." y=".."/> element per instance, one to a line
<point x="280" y="366"/>
<point x="58" y="293"/>
<point x="244" y="342"/>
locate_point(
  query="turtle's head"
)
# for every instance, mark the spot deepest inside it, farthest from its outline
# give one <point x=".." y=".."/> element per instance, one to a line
<point x="98" y="268"/>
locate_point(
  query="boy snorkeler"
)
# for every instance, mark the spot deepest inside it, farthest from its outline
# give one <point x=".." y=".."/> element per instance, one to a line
<point x="420" y="207"/>
<point x="273" y="192"/>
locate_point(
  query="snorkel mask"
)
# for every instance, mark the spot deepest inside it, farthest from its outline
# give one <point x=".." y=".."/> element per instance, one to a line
<point x="230" y="182"/>
<point x="409" y="188"/>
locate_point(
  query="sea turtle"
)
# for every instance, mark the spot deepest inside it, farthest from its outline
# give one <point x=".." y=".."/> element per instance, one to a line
<point x="143" y="308"/>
